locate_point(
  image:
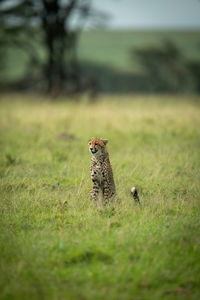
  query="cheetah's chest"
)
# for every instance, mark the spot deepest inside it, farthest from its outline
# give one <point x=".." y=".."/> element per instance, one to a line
<point x="97" y="172"/>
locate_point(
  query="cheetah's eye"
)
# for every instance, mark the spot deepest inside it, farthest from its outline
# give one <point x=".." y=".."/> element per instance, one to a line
<point x="95" y="144"/>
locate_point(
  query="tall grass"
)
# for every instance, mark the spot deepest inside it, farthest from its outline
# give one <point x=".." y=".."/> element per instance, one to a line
<point x="55" y="244"/>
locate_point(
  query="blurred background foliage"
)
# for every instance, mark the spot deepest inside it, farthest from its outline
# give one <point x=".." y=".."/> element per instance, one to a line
<point x="43" y="47"/>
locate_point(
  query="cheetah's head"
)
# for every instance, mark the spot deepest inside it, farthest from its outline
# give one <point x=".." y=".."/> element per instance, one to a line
<point x="97" y="145"/>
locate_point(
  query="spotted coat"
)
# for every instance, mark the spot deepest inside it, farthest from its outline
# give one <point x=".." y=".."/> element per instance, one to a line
<point x="103" y="185"/>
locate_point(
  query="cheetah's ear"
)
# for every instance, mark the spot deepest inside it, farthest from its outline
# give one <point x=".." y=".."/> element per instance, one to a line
<point x="105" y="141"/>
<point x="90" y="139"/>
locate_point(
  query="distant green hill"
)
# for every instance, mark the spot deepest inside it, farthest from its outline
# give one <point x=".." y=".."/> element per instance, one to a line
<point x="112" y="48"/>
<point x="108" y="58"/>
<point x="142" y="61"/>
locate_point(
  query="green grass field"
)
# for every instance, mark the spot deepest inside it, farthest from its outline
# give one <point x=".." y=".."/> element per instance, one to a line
<point x="55" y="244"/>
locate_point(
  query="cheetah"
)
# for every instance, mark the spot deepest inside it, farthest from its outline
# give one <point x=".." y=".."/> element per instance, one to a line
<point x="103" y="189"/>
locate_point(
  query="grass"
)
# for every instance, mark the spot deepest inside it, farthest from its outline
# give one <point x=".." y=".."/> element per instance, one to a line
<point x="54" y="243"/>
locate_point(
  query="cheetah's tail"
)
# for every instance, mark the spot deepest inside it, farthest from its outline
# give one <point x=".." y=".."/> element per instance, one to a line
<point x="134" y="192"/>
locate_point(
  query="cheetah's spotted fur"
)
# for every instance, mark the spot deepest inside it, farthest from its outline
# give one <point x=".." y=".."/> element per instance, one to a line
<point x="103" y="188"/>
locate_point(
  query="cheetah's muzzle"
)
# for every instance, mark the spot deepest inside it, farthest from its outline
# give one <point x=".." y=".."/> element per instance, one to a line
<point x="93" y="151"/>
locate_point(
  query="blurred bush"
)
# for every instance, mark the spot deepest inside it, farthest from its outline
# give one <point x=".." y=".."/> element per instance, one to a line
<point x="194" y="67"/>
<point x="167" y="70"/>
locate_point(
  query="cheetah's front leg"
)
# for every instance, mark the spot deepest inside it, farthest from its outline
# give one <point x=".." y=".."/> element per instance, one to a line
<point x="95" y="190"/>
<point x="106" y="192"/>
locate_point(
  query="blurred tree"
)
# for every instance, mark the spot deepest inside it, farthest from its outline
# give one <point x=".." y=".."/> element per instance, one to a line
<point x="194" y="67"/>
<point x="59" y="23"/>
<point x="165" y="68"/>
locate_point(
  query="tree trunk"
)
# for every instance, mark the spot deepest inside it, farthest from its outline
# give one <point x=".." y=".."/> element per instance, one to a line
<point x="58" y="41"/>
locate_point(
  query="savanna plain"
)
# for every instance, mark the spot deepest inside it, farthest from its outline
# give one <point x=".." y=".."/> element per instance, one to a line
<point x="54" y="243"/>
